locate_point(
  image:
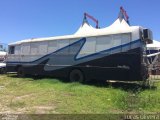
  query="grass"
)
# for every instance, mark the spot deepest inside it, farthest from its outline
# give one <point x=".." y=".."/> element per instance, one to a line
<point x="48" y="96"/>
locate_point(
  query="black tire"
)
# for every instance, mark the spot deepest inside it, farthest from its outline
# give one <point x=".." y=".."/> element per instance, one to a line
<point x="20" y="72"/>
<point x="76" y="76"/>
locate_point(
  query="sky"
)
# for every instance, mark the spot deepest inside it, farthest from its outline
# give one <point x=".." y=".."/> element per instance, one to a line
<point x="24" y="19"/>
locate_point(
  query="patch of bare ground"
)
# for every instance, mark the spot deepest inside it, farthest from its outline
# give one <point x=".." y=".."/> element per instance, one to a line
<point x="28" y="110"/>
<point x="44" y="109"/>
<point x="11" y="111"/>
<point x="23" y="97"/>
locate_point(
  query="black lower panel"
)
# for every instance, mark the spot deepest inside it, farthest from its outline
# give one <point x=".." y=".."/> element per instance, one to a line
<point x="125" y="66"/>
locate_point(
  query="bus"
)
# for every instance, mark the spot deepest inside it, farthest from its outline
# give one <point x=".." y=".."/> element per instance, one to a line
<point x="116" y="52"/>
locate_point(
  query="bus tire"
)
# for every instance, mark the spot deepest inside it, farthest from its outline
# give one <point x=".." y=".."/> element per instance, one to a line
<point x="20" y="72"/>
<point x="76" y="75"/>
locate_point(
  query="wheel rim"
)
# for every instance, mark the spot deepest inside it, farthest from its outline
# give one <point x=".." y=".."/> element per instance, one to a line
<point x="76" y="76"/>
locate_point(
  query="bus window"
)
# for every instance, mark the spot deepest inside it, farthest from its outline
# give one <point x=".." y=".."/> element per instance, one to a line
<point x="11" y="49"/>
<point x="17" y="50"/>
<point x="126" y="38"/>
<point x="103" y="43"/>
<point x="25" y="49"/>
<point x="43" y="47"/>
<point x="34" y="48"/>
<point x="52" y="46"/>
<point x="116" y="40"/>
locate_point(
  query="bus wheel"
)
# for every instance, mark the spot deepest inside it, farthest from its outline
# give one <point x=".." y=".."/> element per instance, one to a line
<point x="76" y="76"/>
<point x="20" y="72"/>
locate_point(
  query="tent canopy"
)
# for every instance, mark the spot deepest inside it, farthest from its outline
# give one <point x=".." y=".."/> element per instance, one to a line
<point x="154" y="45"/>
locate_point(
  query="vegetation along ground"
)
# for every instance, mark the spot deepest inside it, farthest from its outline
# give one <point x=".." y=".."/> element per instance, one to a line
<point x="49" y="95"/>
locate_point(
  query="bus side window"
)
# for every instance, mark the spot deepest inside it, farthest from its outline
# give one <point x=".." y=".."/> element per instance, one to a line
<point x="11" y="49"/>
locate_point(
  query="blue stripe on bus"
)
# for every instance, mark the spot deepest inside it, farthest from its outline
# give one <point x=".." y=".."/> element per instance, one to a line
<point x="108" y="50"/>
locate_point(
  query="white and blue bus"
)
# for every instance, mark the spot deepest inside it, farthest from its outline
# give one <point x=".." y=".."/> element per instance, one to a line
<point x="117" y="52"/>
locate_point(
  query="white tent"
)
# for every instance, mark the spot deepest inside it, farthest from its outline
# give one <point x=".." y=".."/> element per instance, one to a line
<point x="85" y="29"/>
<point x="119" y="26"/>
<point x="154" y="46"/>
